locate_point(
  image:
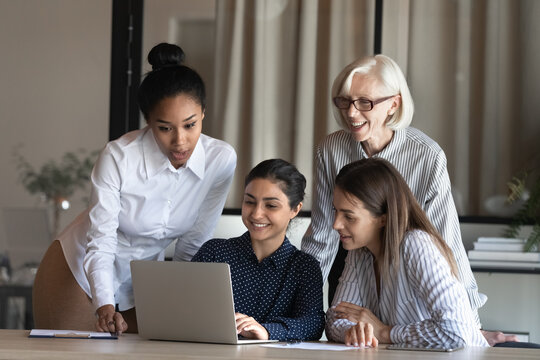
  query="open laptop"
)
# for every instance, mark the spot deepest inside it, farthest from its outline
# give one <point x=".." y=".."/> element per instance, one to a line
<point x="184" y="301"/>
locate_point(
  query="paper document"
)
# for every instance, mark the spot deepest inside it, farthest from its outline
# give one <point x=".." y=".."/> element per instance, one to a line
<point x="71" y="334"/>
<point x="313" y="346"/>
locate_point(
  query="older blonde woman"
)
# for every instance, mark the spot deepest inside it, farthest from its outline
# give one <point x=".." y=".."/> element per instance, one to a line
<point x="374" y="107"/>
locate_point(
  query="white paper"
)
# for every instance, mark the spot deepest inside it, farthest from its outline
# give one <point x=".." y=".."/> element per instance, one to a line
<point x="67" y="333"/>
<point x="314" y="346"/>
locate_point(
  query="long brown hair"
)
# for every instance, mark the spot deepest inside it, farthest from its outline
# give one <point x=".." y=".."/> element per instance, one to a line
<point x="383" y="191"/>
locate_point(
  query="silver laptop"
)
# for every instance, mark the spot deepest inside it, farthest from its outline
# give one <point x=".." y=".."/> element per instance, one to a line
<point x="183" y="301"/>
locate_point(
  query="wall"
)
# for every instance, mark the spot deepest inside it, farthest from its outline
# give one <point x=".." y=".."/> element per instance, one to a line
<point x="54" y="88"/>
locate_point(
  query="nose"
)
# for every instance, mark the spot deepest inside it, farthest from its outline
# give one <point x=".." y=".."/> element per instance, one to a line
<point x="351" y="111"/>
<point x="337" y="223"/>
<point x="179" y="137"/>
<point x="258" y="211"/>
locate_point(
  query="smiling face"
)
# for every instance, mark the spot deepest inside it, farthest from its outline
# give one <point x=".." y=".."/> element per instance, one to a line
<point x="177" y="123"/>
<point x="369" y="125"/>
<point x="266" y="212"/>
<point x="356" y="226"/>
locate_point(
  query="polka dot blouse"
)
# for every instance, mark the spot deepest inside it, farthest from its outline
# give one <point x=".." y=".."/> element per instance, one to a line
<point x="283" y="292"/>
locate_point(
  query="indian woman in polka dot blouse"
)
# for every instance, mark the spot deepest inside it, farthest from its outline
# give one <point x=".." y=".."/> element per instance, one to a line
<point x="277" y="288"/>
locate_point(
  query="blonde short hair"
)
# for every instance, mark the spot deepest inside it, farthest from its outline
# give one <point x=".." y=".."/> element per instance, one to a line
<point x="388" y="73"/>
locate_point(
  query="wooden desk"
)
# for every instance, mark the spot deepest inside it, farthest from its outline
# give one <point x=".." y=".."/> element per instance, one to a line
<point x="15" y="344"/>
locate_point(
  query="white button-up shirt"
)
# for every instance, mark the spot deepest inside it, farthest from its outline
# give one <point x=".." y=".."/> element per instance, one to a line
<point x="140" y="204"/>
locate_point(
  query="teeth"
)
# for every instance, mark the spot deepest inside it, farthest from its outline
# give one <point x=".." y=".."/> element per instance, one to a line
<point x="358" y="124"/>
<point x="259" y="225"/>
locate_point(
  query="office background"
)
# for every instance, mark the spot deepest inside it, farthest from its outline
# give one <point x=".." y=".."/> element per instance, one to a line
<point x="472" y="66"/>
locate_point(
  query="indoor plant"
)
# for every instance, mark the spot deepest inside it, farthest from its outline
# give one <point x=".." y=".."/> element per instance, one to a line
<point x="529" y="212"/>
<point x="56" y="181"/>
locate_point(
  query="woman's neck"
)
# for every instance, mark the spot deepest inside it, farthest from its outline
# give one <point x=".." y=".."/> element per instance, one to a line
<point x="264" y="249"/>
<point x="377" y="142"/>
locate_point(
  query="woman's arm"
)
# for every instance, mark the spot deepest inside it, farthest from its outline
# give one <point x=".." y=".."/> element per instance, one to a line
<point x="441" y="211"/>
<point x="451" y="320"/>
<point x="348" y="290"/>
<point x="320" y="240"/>
<point x="307" y="320"/>
<point x="209" y="211"/>
<point x="106" y="181"/>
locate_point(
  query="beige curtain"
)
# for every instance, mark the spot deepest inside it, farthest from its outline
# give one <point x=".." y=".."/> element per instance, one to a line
<point x="474" y="73"/>
<point x="275" y="64"/>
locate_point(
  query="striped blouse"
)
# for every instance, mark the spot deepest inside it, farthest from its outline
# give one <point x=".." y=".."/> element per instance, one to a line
<point x="422" y="163"/>
<point x="422" y="300"/>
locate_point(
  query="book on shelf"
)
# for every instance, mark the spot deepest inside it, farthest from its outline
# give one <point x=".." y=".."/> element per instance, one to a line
<point x="500" y="240"/>
<point x="488" y="246"/>
<point x="504" y="256"/>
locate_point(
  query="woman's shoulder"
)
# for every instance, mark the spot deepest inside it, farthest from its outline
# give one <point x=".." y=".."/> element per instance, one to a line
<point x="124" y="143"/>
<point x="417" y="138"/>
<point x="306" y="260"/>
<point x="417" y="244"/>
<point x="335" y="140"/>
<point x="217" y="147"/>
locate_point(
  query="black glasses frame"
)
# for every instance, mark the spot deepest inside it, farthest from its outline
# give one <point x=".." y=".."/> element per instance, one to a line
<point x="340" y="102"/>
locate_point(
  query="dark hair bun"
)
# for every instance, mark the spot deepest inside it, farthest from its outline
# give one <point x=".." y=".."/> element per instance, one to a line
<point x="165" y="55"/>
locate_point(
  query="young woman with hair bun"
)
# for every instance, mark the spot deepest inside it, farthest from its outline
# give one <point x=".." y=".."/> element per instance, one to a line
<point x="165" y="182"/>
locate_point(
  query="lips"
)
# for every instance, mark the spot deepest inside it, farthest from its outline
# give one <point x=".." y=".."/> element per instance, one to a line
<point x="180" y="155"/>
<point x="343" y="238"/>
<point x="357" y="124"/>
<point x="259" y="225"/>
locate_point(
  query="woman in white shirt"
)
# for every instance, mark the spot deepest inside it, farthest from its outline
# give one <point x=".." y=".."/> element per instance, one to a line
<point x="400" y="282"/>
<point x="150" y="187"/>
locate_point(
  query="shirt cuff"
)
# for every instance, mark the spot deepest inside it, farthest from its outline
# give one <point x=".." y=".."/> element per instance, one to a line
<point x="275" y="331"/>
<point x="338" y="329"/>
<point x="398" y="334"/>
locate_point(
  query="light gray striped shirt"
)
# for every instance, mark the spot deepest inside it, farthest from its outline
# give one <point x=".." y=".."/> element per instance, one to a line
<point x="422" y="163"/>
<point x="423" y="301"/>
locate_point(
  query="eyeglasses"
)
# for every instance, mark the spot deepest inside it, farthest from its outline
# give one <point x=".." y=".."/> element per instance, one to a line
<point x="361" y="104"/>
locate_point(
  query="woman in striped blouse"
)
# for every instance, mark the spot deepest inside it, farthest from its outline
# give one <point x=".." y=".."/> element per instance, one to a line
<point x="374" y="107"/>
<point x="400" y="280"/>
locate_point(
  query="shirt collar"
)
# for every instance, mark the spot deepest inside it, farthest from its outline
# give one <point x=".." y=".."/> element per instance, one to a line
<point x="155" y="161"/>
<point x="395" y="143"/>
<point x="280" y="257"/>
<point x="197" y="161"/>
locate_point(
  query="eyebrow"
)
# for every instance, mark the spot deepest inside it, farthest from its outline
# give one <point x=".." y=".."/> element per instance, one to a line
<point x="168" y="122"/>
<point x="343" y="210"/>
<point x="265" y="199"/>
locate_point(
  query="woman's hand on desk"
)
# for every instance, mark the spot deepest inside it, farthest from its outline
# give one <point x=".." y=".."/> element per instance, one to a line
<point x="110" y="320"/>
<point x="363" y="317"/>
<point x="247" y="327"/>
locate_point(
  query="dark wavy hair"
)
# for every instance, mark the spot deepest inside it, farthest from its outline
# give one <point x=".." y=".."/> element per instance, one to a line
<point x="283" y="174"/>
<point x="169" y="78"/>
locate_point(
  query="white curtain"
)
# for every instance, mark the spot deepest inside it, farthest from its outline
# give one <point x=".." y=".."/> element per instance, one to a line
<point x="275" y="64"/>
<point x="472" y="66"/>
<point x="474" y="73"/>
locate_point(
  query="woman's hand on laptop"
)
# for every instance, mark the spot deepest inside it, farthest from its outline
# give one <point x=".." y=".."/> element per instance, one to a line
<point x="247" y="327"/>
<point x="109" y="320"/>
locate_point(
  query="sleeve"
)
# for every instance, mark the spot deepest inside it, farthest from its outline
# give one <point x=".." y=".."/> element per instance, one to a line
<point x="307" y="320"/>
<point x="320" y="240"/>
<point x="441" y="211"/>
<point x="347" y="290"/>
<point x="210" y="211"/>
<point x="106" y="181"/>
<point x="451" y="321"/>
